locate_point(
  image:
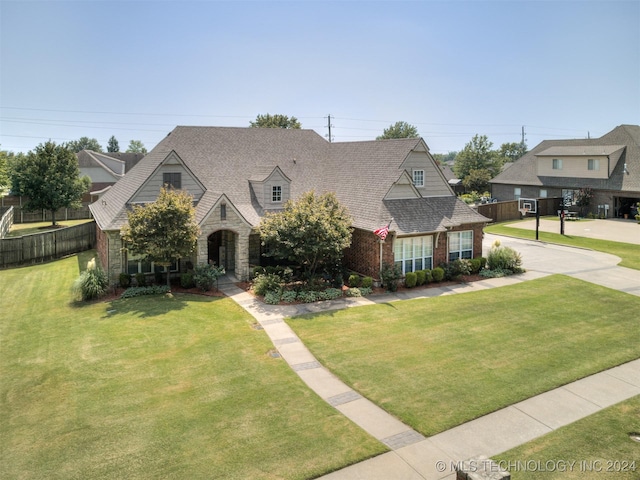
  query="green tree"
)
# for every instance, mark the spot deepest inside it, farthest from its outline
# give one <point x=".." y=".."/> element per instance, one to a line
<point x="477" y="155"/>
<point x="49" y="177"/>
<point x="85" y="143"/>
<point x="477" y="181"/>
<point x="311" y="232"/>
<point x="112" y="145"/>
<point x="4" y="170"/>
<point x="163" y="231"/>
<point x="583" y="199"/>
<point x="275" y="121"/>
<point x="136" y="146"/>
<point x="444" y="158"/>
<point x="510" y="152"/>
<point x="399" y="130"/>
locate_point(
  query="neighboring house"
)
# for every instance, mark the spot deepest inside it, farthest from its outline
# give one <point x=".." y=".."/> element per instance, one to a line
<point x="454" y="182"/>
<point x="610" y="165"/>
<point x="236" y="175"/>
<point x="105" y="169"/>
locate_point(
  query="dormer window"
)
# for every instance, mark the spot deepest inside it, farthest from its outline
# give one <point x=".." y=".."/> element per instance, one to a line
<point x="556" y="164"/>
<point x="418" y="178"/>
<point x="593" y="164"/>
<point x="276" y="194"/>
<point x="173" y="180"/>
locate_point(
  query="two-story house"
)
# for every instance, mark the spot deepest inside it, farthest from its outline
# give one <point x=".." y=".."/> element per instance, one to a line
<point x="609" y="165"/>
<point x="236" y="175"/>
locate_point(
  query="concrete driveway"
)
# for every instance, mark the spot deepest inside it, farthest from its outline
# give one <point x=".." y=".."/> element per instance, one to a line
<point x="618" y="230"/>
<point x="588" y="265"/>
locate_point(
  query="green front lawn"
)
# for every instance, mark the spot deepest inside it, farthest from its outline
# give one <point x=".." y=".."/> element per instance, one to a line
<point x="436" y="363"/>
<point x="595" y="447"/>
<point x="155" y="387"/>
<point x="629" y="253"/>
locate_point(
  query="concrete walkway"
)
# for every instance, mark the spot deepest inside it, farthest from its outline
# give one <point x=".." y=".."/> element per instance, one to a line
<point x="413" y="456"/>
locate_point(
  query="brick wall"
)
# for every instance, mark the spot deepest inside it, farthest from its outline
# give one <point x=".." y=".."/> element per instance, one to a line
<point x="363" y="256"/>
<point x="101" y="247"/>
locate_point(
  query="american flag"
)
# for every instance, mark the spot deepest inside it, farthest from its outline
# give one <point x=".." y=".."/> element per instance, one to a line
<point x="382" y="232"/>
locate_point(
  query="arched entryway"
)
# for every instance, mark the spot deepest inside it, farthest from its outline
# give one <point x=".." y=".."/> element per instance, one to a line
<point x="221" y="249"/>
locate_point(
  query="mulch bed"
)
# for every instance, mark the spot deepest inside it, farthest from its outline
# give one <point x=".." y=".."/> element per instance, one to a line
<point x="246" y="286"/>
<point x="114" y="294"/>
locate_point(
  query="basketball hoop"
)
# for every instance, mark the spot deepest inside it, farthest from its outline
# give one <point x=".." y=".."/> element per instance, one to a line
<point x="527" y="205"/>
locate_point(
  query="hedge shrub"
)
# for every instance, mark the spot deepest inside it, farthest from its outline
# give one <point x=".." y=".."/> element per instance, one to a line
<point x="410" y="279"/>
<point x="140" y="291"/>
<point x="437" y="274"/>
<point x="124" y="279"/>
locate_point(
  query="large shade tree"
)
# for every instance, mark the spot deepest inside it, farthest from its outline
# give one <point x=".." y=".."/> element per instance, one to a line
<point x="163" y="231"/>
<point x="399" y="130"/>
<point x="275" y="121"/>
<point x="311" y="232"/>
<point x="49" y="177"/>
<point x="477" y="160"/>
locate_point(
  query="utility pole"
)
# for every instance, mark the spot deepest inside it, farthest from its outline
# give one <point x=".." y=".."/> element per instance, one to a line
<point x="522" y="135"/>
<point x="329" y="127"/>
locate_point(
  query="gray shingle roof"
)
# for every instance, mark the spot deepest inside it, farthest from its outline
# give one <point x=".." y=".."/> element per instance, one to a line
<point x="623" y="140"/>
<point x="224" y="159"/>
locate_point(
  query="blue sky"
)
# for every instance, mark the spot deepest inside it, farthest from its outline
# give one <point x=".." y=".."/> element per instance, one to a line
<point x="562" y="69"/>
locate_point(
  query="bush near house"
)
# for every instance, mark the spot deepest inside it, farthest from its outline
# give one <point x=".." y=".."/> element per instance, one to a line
<point x="355" y="280"/>
<point x="92" y="283"/>
<point x="437" y="274"/>
<point x="205" y="276"/>
<point x="410" y="279"/>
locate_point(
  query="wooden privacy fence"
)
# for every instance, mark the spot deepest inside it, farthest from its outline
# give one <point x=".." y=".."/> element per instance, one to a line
<point x="6" y="220"/>
<point x="505" y="211"/>
<point x="20" y="215"/>
<point x="40" y="247"/>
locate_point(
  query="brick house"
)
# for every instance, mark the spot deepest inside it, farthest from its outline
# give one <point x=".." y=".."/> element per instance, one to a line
<point x="609" y="165"/>
<point x="235" y="175"/>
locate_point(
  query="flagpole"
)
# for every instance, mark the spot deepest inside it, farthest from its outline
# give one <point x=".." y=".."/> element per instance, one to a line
<point x="381" y="242"/>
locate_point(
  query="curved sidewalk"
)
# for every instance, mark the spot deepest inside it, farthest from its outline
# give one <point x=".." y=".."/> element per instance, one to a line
<point x="413" y="456"/>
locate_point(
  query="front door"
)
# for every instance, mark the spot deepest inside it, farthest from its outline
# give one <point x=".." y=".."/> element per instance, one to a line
<point x="221" y="249"/>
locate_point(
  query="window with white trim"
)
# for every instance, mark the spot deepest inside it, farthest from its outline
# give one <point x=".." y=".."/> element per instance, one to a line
<point x="517" y="192"/>
<point x="556" y="164"/>
<point x="593" y="164"/>
<point x="418" y="178"/>
<point x="172" y="179"/>
<point x="413" y="253"/>
<point x="543" y="193"/>
<point x="460" y="245"/>
<point x="276" y="193"/>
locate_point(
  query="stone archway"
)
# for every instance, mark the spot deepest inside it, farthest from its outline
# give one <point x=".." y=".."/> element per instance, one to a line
<point x="221" y="249"/>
